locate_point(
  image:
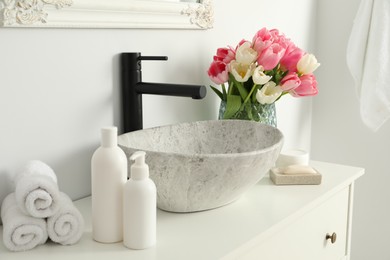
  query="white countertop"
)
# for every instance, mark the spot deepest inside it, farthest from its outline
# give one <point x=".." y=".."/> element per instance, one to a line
<point x="209" y="234"/>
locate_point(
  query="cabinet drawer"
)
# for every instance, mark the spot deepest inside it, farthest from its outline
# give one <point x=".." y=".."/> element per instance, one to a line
<point x="305" y="238"/>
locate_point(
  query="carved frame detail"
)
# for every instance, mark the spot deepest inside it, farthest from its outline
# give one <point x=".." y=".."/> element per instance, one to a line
<point x="106" y="14"/>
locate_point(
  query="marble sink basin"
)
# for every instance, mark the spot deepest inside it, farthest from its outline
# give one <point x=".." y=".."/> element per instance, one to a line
<point x="207" y="164"/>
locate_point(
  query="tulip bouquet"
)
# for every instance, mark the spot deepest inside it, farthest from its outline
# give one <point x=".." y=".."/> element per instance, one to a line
<point x="262" y="71"/>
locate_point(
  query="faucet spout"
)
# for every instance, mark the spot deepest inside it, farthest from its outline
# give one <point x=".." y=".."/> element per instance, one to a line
<point x="177" y="90"/>
<point x="133" y="88"/>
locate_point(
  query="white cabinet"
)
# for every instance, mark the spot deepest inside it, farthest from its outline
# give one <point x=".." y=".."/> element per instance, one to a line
<point x="306" y="238"/>
<point x="268" y="222"/>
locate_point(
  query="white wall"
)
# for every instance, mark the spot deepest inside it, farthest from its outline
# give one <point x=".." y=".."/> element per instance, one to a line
<point x="59" y="86"/>
<point x="340" y="136"/>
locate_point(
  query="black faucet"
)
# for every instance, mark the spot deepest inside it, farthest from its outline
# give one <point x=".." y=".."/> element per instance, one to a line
<point x="133" y="88"/>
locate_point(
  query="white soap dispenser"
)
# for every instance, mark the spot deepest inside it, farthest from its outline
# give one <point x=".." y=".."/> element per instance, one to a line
<point x="108" y="177"/>
<point x="139" y="206"/>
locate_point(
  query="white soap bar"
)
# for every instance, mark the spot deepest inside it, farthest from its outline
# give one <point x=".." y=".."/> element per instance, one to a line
<point x="292" y="157"/>
<point x="298" y="169"/>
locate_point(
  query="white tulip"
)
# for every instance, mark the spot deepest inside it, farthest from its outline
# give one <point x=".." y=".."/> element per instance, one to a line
<point x="259" y="77"/>
<point x="307" y="64"/>
<point x="269" y="93"/>
<point x="245" y="54"/>
<point x="240" y="71"/>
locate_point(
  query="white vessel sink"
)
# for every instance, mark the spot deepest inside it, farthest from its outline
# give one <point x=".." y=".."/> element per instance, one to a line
<point x="207" y="164"/>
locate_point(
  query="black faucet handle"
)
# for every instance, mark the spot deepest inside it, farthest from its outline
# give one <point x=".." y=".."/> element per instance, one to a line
<point x="153" y="58"/>
<point x="132" y="60"/>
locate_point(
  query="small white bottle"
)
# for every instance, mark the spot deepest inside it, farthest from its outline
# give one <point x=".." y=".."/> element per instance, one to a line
<point x="108" y="175"/>
<point x="139" y="206"/>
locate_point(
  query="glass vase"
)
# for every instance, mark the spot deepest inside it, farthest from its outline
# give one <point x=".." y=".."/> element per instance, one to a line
<point x="253" y="111"/>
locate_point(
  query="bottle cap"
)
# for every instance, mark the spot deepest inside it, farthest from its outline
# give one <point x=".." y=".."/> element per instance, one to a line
<point x="109" y="136"/>
<point x="139" y="169"/>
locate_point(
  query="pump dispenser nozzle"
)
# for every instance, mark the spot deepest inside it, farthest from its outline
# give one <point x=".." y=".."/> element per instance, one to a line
<point x="139" y="206"/>
<point x="139" y="169"/>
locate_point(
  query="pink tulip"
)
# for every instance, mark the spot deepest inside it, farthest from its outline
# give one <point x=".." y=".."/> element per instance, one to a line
<point x="271" y="56"/>
<point x="262" y="40"/>
<point x="279" y="38"/>
<point x="291" y="57"/>
<point x="290" y="81"/>
<point x="225" y="55"/>
<point x="218" y="72"/>
<point x="308" y="87"/>
<point x="276" y="36"/>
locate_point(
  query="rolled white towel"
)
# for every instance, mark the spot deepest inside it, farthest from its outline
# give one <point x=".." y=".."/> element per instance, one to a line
<point x="67" y="225"/>
<point x="36" y="190"/>
<point x="21" y="232"/>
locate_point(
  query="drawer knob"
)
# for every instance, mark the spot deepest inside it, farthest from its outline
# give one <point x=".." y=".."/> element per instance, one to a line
<point x="332" y="237"/>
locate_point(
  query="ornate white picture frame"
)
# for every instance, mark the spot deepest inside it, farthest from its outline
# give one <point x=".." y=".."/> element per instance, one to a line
<point x="106" y="14"/>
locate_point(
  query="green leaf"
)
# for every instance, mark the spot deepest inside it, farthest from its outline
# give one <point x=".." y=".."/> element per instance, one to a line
<point x="233" y="104"/>
<point x="231" y="88"/>
<point x="239" y="86"/>
<point x="224" y="92"/>
<point x="248" y="109"/>
<point x="242" y="90"/>
<point x="219" y="93"/>
<point x="279" y="76"/>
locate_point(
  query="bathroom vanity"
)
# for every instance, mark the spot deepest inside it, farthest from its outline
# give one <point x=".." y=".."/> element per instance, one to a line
<point x="268" y="222"/>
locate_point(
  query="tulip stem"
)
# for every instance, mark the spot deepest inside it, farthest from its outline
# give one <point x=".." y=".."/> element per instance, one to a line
<point x="283" y="93"/>
<point x="230" y="90"/>
<point x="250" y="94"/>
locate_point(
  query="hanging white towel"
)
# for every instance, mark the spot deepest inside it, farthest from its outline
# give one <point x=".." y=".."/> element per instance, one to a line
<point x="20" y="231"/>
<point x="36" y="190"/>
<point x="67" y="225"/>
<point x="368" y="59"/>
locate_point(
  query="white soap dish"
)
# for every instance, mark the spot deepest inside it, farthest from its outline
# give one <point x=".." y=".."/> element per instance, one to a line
<point x="295" y="175"/>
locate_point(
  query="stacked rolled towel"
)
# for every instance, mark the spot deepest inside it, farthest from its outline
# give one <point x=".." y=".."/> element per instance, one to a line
<point x="38" y="210"/>
<point x="36" y="190"/>
<point x="20" y="231"/>
<point x="67" y="225"/>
